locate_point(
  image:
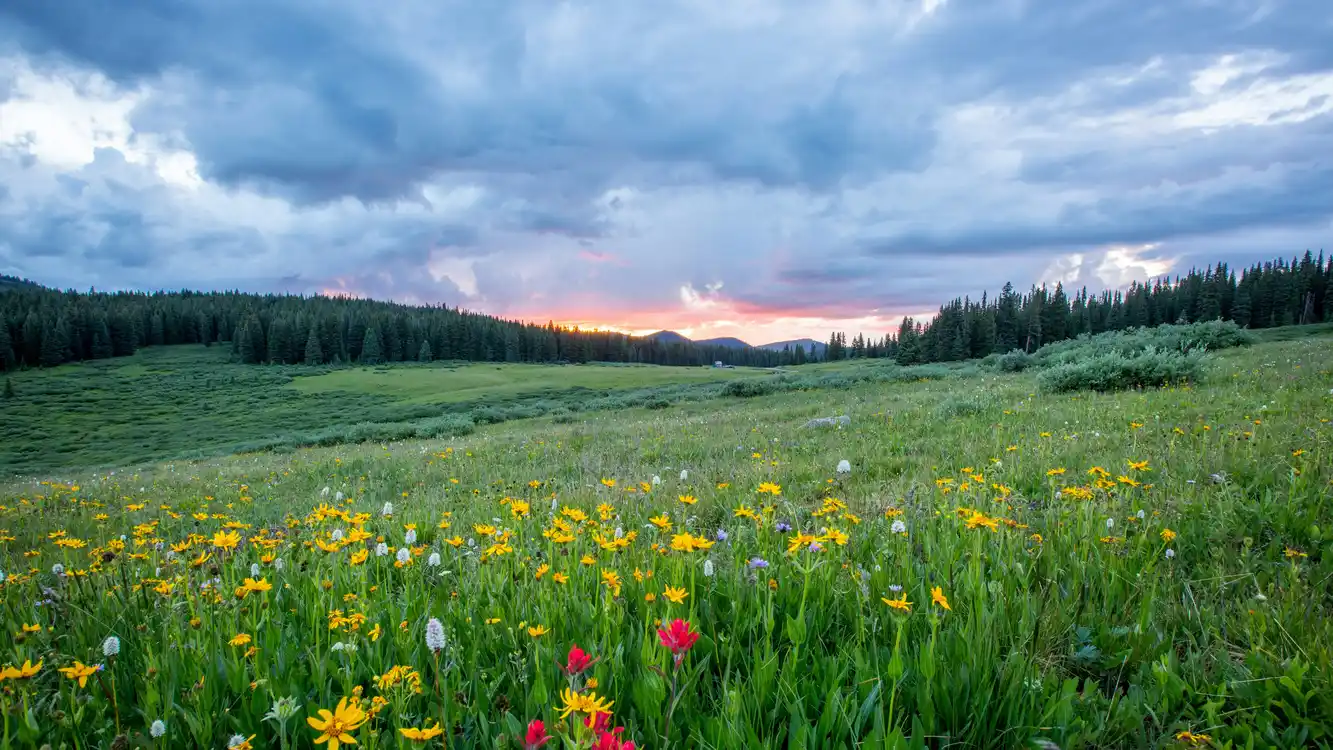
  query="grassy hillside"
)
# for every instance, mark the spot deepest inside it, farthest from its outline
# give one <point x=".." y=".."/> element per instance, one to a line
<point x="1135" y="569"/>
<point x="478" y="382"/>
<point x="171" y="402"/>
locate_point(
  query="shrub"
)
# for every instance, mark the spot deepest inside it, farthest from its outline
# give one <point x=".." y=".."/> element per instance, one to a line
<point x="749" y="388"/>
<point x="1184" y="338"/>
<point x="448" y="426"/>
<point x="1114" y="371"/>
<point x="1015" y="361"/>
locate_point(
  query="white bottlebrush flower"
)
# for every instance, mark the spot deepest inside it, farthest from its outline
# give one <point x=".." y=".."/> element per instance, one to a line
<point x="684" y="475"/>
<point x="1140" y="514"/>
<point x="111" y="646"/>
<point x="410" y="537"/>
<point x="339" y="646"/>
<point x="57" y="570"/>
<point x="898" y="526"/>
<point x="844" y="467"/>
<point x="237" y="740"/>
<point x="708" y="568"/>
<point x="404" y="555"/>
<point x="433" y="560"/>
<point x="158" y="729"/>
<point x="278" y="564"/>
<point x="254" y="570"/>
<point x="1170" y="553"/>
<point x="434" y="635"/>
<point x="387" y="510"/>
<point x="1110" y="524"/>
<point x="381" y="549"/>
<point x="324" y="492"/>
<point x="339" y="497"/>
<point x="656" y="480"/>
<point x="337" y="535"/>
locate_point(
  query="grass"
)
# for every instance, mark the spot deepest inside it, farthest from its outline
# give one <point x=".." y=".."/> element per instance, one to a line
<point x="476" y="382"/>
<point x="188" y="401"/>
<point x="1145" y="568"/>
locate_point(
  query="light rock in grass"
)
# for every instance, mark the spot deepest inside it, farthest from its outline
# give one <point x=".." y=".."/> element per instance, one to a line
<point x="838" y="422"/>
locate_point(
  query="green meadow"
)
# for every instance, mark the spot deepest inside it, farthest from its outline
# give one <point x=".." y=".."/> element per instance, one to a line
<point x="1001" y="566"/>
<point x="182" y="401"/>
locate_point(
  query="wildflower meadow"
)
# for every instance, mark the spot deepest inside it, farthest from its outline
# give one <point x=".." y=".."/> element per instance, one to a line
<point x="980" y="563"/>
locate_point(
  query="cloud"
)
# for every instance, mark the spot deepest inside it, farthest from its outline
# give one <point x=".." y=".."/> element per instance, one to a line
<point x="745" y="164"/>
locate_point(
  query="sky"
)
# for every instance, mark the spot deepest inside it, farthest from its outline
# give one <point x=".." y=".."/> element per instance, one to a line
<point x="767" y="169"/>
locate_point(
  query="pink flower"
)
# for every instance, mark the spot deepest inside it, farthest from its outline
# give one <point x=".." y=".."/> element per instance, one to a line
<point x="536" y="736"/>
<point x="611" y="741"/>
<point x="577" y="661"/>
<point x="678" y="637"/>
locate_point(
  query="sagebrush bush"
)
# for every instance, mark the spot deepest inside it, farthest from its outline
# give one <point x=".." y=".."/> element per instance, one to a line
<point x="749" y="387"/>
<point x="1209" y="335"/>
<point x="1114" y="371"/>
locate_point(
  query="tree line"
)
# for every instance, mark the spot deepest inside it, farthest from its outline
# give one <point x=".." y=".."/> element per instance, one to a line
<point x="1265" y="295"/>
<point x="41" y="327"/>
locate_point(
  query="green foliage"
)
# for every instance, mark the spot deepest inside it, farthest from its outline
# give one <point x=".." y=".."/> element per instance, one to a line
<point x="1213" y="335"/>
<point x="750" y="387"/>
<point x="1116" y="371"/>
<point x="1059" y="628"/>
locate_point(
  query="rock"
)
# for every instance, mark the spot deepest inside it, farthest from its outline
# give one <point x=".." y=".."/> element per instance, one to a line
<point x="839" y="422"/>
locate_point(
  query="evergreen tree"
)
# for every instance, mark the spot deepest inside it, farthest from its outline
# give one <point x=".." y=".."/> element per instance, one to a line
<point x="54" y="343"/>
<point x="372" y="352"/>
<point x="32" y="338"/>
<point x="278" y="334"/>
<point x="423" y="354"/>
<point x="8" y="360"/>
<point x="314" y="353"/>
<point x="1240" y="309"/>
<point x="9" y="388"/>
<point x="102" y="347"/>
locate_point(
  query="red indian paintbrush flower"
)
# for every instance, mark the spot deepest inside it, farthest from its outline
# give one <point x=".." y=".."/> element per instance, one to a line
<point x="678" y="637"/>
<point x="577" y="661"/>
<point x="611" y="741"/>
<point x="536" y="736"/>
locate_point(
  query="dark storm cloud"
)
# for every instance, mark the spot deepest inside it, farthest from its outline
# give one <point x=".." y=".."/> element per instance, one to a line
<point x="835" y="157"/>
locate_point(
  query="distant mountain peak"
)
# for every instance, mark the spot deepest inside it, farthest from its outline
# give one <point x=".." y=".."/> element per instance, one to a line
<point x="806" y="344"/>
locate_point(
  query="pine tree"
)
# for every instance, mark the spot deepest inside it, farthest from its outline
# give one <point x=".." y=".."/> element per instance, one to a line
<point x="54" y="343"/>
<point x="8" y="360"/>
<point x="314" y="353"/>
<point x="101" y="347"/>
<point x="9" y="388"/>
<point x="372" y="353"/>
<point x="423" y="354"/>
<point x="1240" y="309"/>
<point x="278" y="334"/>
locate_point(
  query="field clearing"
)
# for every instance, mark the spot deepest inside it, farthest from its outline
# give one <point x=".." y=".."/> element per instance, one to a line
<point x="1000" y="566"/>
<point x="191" y="401"/>
<point x="455" y="384"/>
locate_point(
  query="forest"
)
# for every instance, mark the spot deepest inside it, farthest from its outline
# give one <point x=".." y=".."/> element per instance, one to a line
<point x="42" y="327"/>
<point x="1265" y="295"/>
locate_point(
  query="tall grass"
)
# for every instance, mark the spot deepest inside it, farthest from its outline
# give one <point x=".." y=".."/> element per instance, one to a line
<point x="1131" y="569"/>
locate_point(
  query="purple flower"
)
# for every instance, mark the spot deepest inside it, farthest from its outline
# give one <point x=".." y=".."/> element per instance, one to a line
<point x="816" y="547"/>
<point x="722" y="535"/>
<point x="783" y="527"/>
<point x="757" y="563"/>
